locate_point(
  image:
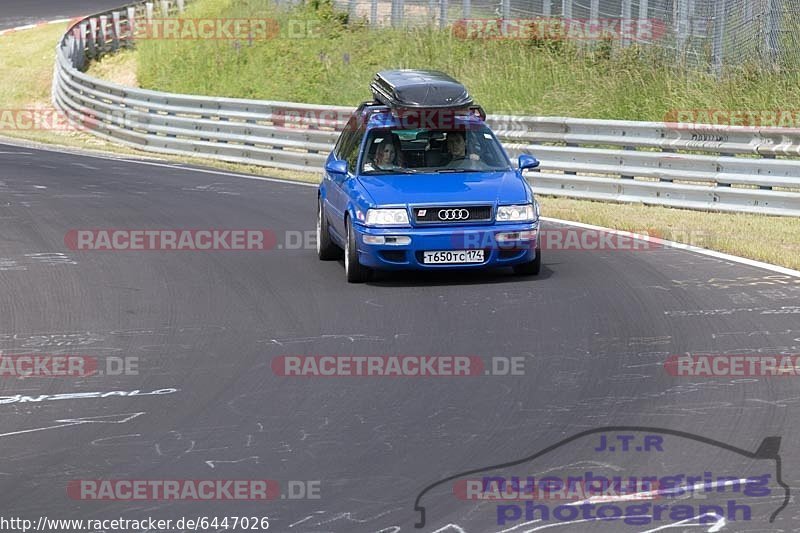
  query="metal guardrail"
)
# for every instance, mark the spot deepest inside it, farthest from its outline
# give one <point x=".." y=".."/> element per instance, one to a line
<point x="721" y="168"/>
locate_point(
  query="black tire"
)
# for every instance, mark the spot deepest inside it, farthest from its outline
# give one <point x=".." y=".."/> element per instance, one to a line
<point x="326" y="249"/>
<point x="355" y="271"/>
<point x="530" y="268"/>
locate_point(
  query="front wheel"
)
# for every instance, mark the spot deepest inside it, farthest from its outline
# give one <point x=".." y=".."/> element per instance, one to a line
<point x="355" y="271"/>
<point x="326" y="249"/>
<point x="530" y="268"/>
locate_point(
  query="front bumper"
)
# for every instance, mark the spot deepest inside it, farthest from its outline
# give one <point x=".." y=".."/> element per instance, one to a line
<point x="409" y="256"/>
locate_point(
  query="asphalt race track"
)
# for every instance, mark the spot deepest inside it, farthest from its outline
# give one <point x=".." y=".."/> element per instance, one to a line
<point x="15" y="13"/>
<point x="594" y="330"/>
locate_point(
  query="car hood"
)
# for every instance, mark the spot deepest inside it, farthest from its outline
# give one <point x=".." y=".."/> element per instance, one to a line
<point x="445" y="188"/>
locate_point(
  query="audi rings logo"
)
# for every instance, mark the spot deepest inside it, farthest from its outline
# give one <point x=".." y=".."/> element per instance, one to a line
<point x="453" y="214"/>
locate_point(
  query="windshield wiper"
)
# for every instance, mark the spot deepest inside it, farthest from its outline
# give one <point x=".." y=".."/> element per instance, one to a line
<point x="382" y="172"/>
<point x="452" y="170"/>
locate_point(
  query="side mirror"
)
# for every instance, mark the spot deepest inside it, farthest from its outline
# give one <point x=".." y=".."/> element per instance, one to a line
<point x="527" y="162"/>
<point x="336" y="166"/>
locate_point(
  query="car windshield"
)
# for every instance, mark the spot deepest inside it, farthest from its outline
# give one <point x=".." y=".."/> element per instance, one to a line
<point x="412" y="151"/>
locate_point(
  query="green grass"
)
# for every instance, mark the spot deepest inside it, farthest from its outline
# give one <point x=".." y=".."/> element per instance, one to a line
<point x="511" y="76"/>
<point x="734" y="233"/>
<point x="26" y="68"/>
<point x="26" y="65"/>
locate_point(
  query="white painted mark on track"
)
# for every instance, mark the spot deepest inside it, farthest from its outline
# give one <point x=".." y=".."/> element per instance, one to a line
<point x="67" y="422"/>
<point x="18" y="398"/>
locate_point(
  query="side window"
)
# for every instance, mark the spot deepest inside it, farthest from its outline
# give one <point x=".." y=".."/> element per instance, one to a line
<point x="345" y="139"/>
<point x="350" y="152"/>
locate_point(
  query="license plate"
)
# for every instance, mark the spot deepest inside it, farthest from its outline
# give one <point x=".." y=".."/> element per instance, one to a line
<point x="452" y="257"/>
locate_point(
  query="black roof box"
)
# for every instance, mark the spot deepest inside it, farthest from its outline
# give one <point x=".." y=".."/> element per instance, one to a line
<point x="419" y="89"/>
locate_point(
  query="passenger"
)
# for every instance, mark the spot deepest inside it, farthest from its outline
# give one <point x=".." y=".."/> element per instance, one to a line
<point x="457" y="147"/>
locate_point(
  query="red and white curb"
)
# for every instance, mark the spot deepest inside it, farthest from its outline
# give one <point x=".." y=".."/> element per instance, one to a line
<point x="37" y="25"/>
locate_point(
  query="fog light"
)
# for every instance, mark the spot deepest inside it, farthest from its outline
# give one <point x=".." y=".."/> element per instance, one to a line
<point x="374" y="239"/>
<point x="513" y="236"/>
<point x="394" y="240"/>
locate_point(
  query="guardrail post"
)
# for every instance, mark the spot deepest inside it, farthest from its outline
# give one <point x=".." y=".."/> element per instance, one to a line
<point x="131" y="23"/>
<point x="103" y="32"/>
<point x="772" y="31"/>
<point x="79" y="36"/>
<point x="643" y="21"/>
<point x="594" y="16"/>
<point x="373" y="13"/>
<point x="594" y="10"/>
<point x="681" y="26"/>
<point x="571" y="172"/>
<point x="92" y="36"/>
<point x="397" y="13"/>
<point x="443" y="13"/>
<point x="70" y="45"/>
<point x="148" y="7"/>
<point x="466" y="9"/>
<point x="547" y="8"/>
<point x="626" y="176"/>
<point x="164" y="8"/>
<point x="352" y="6"/>
<point x="82" y="43"/>
<point x="626" y="19"/>
<point x="566" y="9"/>
<point x="719" y="34"/>
<point x="181" y="6"/>
<point x="506" y="5"/>
<point x="115" y="29"/>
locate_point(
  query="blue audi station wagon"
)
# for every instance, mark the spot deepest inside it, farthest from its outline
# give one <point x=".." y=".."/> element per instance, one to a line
<point x="418" y="181"/>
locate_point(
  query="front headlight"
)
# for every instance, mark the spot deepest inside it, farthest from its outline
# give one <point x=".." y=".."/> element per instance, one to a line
<point x="387" y="217"/>
<point x="516" y="213"/>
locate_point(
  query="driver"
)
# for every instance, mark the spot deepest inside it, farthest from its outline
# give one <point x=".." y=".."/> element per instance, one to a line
<point x="457" y="147"/>
<point x="385" y="156"/>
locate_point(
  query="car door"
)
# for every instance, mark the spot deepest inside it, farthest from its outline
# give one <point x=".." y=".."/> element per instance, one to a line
<point x="332" y="198"/>
<point x="339" y="197"/>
